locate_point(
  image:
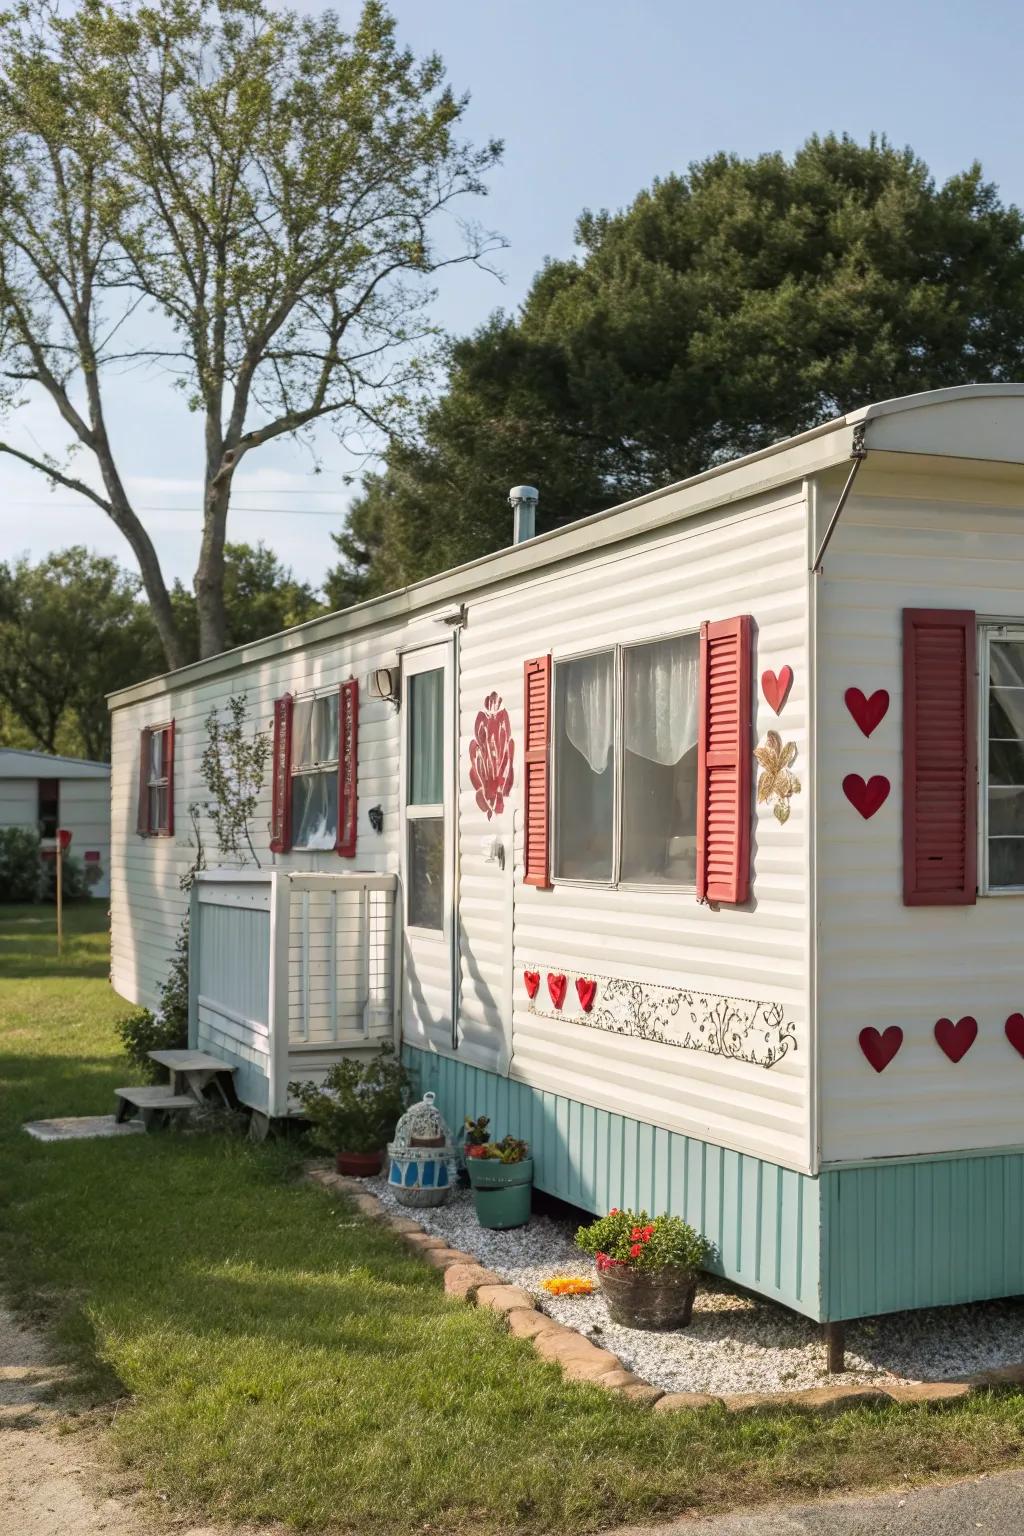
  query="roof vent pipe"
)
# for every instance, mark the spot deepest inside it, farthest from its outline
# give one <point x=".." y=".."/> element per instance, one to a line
<point x="523" y="501"/>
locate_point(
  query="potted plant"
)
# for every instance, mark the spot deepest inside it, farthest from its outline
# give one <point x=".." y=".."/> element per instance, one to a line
<point x="354" y="1109"/>
<point x="475" y="1136"/>
<point x="501" y="1174"/>
<point x="648" y="1269"/>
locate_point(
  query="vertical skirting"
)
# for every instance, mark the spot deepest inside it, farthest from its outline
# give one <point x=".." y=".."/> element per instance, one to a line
<point x="764" y="1220"/>
<point x="922" y="1233"/>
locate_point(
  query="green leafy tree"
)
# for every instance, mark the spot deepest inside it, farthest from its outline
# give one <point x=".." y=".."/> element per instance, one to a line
<point x="72" y="628"/>
<point x="261" y="597"/>
<point x="245" y="194"/>
<point x="725" y="308"/>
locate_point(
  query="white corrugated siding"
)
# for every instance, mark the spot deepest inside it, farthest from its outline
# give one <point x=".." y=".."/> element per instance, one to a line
<point x="747" y="562"/>
<point x="19" y="803"/>
<point x="880" y="962"/>
<point x="85" y="812"/>
<point x="746" y="559"/>
<point x="147" y="905"/>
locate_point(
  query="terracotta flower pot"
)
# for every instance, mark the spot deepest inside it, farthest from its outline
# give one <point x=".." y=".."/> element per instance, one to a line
<point x="638" y="1298"/>
<point x="359" y="1165"/>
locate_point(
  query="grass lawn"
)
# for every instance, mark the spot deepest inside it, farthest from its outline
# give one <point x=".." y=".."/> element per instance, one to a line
<point x="273" y="1357"/>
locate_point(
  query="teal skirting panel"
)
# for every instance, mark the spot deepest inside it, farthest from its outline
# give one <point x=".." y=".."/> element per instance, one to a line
<point x="764" y="1220"/>
<point x="922" y="1234"/>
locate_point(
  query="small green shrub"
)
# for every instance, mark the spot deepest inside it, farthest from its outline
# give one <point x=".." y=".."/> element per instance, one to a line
<point x="76" y="879"/>
<point x="632" y="1238"/>
<point x="21" y="868"/>
<point x="356" y="1106"/>
<point x="143" y="1031"/>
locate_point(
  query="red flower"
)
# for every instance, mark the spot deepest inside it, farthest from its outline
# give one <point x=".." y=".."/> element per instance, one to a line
<point x="614" y="1211"/>
<point x="634" y="1252"/>
<point x="491" y="757"/>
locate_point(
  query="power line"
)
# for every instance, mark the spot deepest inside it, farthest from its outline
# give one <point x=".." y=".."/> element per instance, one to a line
<point x="79" y="506"/>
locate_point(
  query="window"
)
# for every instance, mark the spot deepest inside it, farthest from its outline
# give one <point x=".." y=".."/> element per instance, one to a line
<point x="1003" y="759"/>
<point x="425" y="799"/>
<point x="156" y="781"/>
<point x="48" y="807"/>
<point x="625" y="764"/>
<point x="314" y="772"/>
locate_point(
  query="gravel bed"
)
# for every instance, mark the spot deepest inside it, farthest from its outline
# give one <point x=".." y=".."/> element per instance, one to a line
<point x="736" y="1342"/>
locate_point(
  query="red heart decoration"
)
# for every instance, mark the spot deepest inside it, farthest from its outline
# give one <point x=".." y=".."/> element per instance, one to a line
<point x="556" y="986"/>
<point x="586" y="991"/>
<point x="775" y="688"/>
<point x="1015" y="1031"/>
<point x="868" y="713"/>
<point x="956" y="1039"/>
<point x="880" y="1049"/>
<point x="531" y="980"/>
<point x="866" y="798"/>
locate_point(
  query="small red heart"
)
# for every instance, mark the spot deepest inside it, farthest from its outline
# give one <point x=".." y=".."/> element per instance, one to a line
<point x="586" y="991"/>
<point x="956" y="1039"/>
<point x="531" y="980"/>
<point x="556" y="986"/>
<point x="880" y="1049"/>
<point x="1015" y="1031"/>
<point x="868" y="713"/>
<point x="866" y="798"/>
<point x="775" y="688"/>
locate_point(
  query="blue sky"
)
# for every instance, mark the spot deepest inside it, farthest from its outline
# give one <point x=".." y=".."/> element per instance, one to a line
<point x="593" y="99"/>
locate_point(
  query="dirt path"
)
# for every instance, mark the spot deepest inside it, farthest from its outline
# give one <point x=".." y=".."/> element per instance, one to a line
<point x="50" y="1482"/>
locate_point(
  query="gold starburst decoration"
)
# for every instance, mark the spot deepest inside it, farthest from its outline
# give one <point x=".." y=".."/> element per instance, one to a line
<point x="777" y="782"/>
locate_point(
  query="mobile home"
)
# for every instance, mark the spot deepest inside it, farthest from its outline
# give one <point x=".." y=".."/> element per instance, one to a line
<point x="686" y="842"/>
<point x="42" y="792"/>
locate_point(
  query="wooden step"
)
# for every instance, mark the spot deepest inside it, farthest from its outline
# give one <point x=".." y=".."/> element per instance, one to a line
<point x="189" y="1061"/>
<point x="157" y="1097"/>
<point x="154" y="1104"/>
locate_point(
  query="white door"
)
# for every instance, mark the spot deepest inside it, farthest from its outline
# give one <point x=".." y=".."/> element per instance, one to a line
<point x="428" y="844"/>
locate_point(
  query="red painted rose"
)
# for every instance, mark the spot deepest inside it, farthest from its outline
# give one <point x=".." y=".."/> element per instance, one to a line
<point x="491" y="756"/>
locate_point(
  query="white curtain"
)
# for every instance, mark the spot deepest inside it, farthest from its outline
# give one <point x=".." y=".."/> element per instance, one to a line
<point x="660" y="699"/>
<point x="589" y="708"/>
<point x="315" y="731"/>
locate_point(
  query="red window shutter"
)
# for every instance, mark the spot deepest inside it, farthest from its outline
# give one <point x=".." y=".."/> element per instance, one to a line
<point x="169" y="770"/>
<point x="537" y="769"/>
<point x="940" y="758"/>
<point x="348" y="769"/>
<point x="724" y="761"/>
<point x="281" y="777"/>
<point x="142" y="813"/>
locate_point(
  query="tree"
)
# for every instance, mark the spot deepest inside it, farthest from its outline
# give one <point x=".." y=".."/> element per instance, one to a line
<point x="725" y="308"/>
<point x="71" y="629"/>
<point x="261" y="597"/>
<point x="265" y="182"/>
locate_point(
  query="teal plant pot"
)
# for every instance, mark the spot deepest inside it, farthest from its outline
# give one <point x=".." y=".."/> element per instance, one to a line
<point x="501" y="1191"/>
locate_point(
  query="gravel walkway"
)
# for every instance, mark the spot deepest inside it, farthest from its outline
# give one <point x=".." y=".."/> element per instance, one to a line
<point x="736" y="1342"/>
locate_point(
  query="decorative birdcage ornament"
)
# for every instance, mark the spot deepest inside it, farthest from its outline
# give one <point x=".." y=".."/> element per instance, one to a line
<point x="422" y="1160"/>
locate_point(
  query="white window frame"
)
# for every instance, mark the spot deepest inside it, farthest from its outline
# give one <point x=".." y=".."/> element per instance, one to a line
<point x="436" y="657"/>
<point x="615" y="883"/>
<point x="158" y="784"/>
<point x="989" y="630"/>
<point x="310" y="697"/>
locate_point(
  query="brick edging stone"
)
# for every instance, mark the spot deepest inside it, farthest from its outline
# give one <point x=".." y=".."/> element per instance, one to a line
<point x="465" y="1279"/>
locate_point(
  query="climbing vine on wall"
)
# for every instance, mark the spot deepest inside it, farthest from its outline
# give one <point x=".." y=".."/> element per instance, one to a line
<point x="234" y="769"/>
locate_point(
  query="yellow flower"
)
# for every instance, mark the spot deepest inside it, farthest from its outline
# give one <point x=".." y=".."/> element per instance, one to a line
<point x="568" y="1285"/>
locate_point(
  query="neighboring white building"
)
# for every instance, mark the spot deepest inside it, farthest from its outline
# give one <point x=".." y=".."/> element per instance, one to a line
<point x="792" y="1012"/>
<point x="43" y="792"/>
